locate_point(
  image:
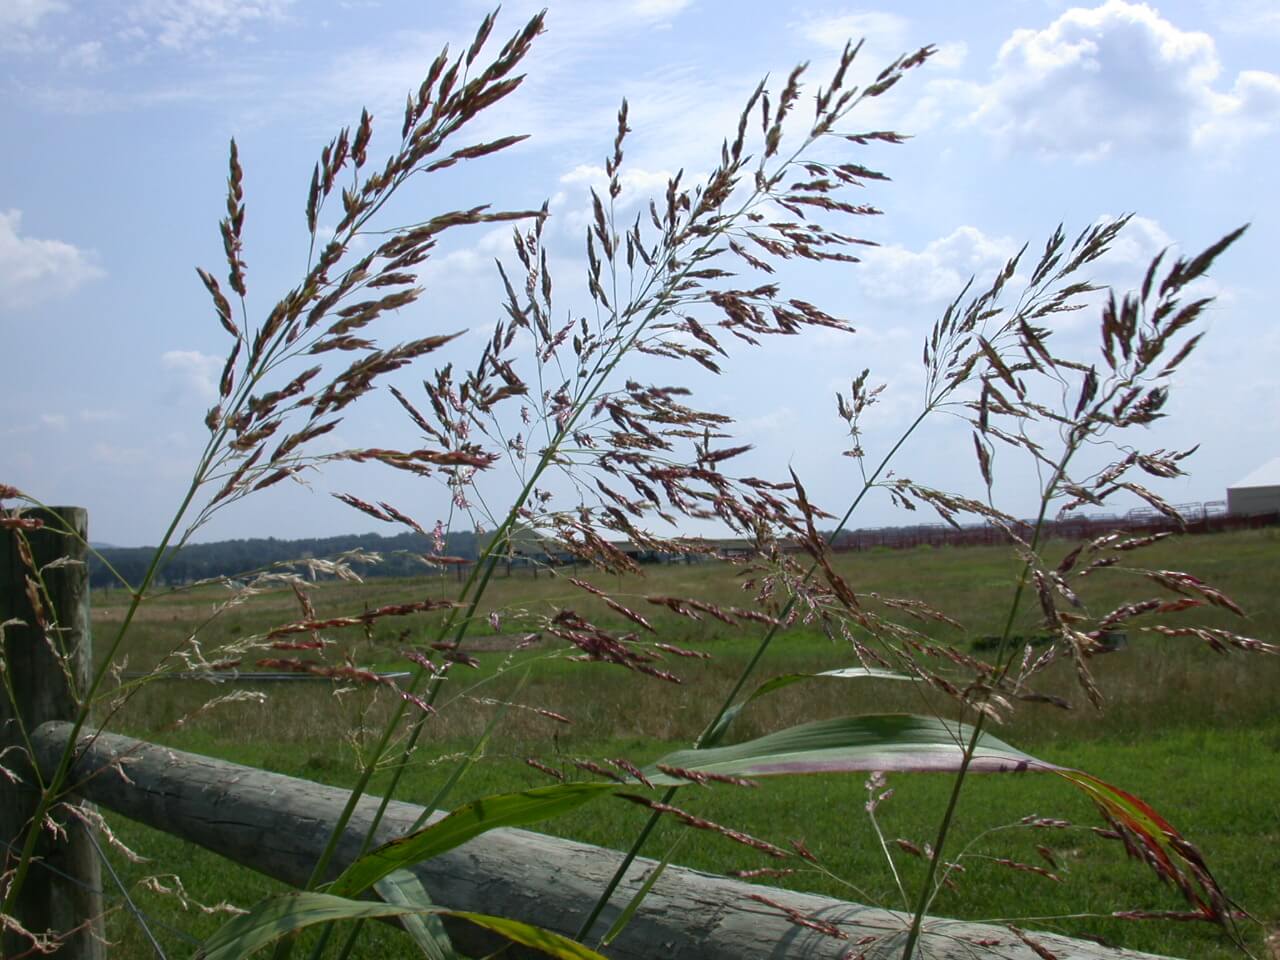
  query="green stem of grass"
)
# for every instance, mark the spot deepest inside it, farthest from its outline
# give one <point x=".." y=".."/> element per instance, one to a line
<point x="926" y="894"/>
<point x="487" y="562"/>
<point x="209" y="457"/>
<point x="475" y="589"/>
<point x="705" y="738"/>
<point x="593" y="384"/>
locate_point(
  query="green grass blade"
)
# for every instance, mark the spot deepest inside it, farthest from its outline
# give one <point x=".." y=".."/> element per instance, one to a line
<point x="276" y="917"/>
<point x="279" y="916"/>
<point x="477" y="749"/>
<point x="887" y="742"/>
<point x="464" y="823"/>
<point x="404" y="889"/>
<point x="901" y="743"/>
<point x="526" y="934"/>
<point x="633" y="905"/>
<point x="717" y="732"/>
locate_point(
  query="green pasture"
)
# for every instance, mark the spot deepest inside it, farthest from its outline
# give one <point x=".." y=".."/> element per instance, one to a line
<point x="1193" y="732"/>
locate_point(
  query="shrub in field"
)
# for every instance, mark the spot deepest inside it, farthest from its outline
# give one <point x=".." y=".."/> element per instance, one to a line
<point x="598" y="457"/>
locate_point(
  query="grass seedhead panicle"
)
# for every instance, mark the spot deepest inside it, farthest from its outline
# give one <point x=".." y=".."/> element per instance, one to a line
<point x="261" y="435"/>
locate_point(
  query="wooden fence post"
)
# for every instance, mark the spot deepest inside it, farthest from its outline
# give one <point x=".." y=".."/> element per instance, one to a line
<point x="63" y="891"/>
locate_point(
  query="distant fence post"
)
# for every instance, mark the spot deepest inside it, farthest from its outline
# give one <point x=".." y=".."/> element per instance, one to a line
<point x="63" y="891"/>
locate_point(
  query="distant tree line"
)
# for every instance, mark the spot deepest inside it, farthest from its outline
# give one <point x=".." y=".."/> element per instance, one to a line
<point x="228" y="558"/>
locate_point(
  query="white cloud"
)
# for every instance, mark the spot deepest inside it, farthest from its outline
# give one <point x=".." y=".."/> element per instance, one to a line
<point x="101" y="415"/>
<point x="54" y="421"/>
<point x="84" y="56"/>
<point x="1124" y="265"/>
<point x="935" y="273"/>
<point x="117" y="456"/>
<point x="86" y="99"/>
<point x="782" y="419"/>
<point x="1119" y="77"/>
<point x="32" y="270"/>
<point x="469" y="260"/>
<point x="639" y="186"/>
<point x="950" y="56"/>
<point x="1251" y="109"/>
<point x="941" y="98"/>
<point x="179" y="24"/>
<point x="885" y="37"/>
<point x="882" y="29"/>
<point x="1253" y="18"/>
<point x="377" y="75"/>
<point x="646" y="182"/>
<point x="657" y="9"/>
<point x="671" y="102"/>
<point x="194" y="372"/>
<point x="1140" y="240"/>
<point x="26" y="14"/>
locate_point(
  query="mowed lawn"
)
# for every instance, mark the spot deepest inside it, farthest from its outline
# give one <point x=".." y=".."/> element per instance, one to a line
<point x="1194" y="732"/>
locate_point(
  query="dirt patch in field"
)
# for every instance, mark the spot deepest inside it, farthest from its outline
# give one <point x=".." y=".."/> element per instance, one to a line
<point x="194" y="611"/>
<point x="502" y="641"/>
<point x="168" y="612"/>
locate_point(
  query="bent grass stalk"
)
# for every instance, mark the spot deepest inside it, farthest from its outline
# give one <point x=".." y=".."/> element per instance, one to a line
<point x="483" y="569"/>
<point x="1091" y="417"/>
<point x="927" y="890"/>
<point x="706" y="739"/>
<point x="1133" y="395"/>
<point x="590" y="389"/>
<point x="947" y="372"/>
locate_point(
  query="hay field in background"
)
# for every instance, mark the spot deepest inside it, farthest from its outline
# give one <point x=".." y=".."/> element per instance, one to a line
<point x="1195" y="733"/>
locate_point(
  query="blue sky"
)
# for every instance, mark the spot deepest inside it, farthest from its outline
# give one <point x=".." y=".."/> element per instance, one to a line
<point x="117" y="116"/>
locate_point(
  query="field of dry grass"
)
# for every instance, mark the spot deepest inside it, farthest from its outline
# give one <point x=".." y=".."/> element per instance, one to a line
<point x="1155" y="681"/>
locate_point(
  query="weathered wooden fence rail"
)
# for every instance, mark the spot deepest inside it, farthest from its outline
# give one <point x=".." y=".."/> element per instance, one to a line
<point x="277" y="825"/>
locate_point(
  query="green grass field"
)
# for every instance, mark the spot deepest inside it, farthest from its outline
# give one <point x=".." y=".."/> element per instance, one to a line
<point x="1195" y="733"/>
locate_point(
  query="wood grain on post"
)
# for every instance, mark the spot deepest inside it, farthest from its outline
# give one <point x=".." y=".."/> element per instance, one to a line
<point x="278" y="825"/>
<point x="62" y="892"/>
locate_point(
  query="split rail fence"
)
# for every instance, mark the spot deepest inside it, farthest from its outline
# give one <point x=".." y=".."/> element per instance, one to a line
<point x="277" y="825"/>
